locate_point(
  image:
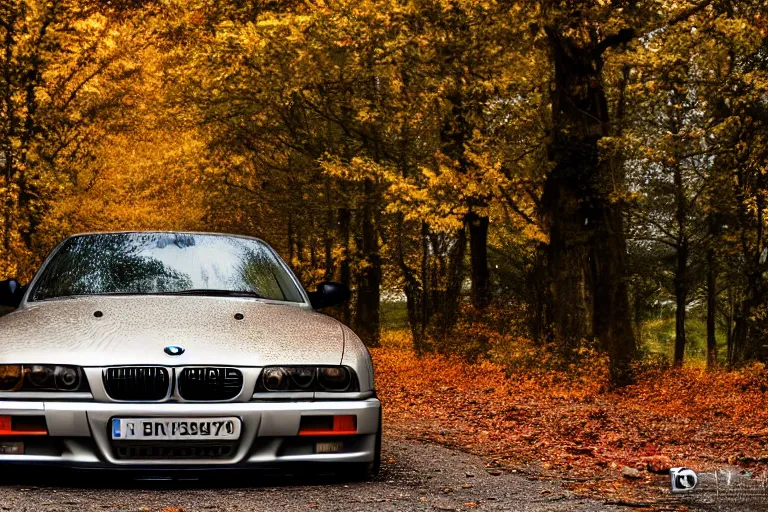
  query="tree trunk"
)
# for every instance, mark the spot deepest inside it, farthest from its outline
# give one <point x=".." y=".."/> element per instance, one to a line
<point x="345" y="218"/>
<point x="9" y="204"/>
<point x="711" y="309"/>
<point x="369" y="276"/>
<point x="478" y="248"/>
<point x="10" y="129"/>
<point x="538" y="320"/>
<point x="681" y="300"/>
<point x="290" y="240"/>
<point x="747" y="342"/>
<point x="328" y="245"/>
<point x="611" y="314"/>
<point x="681" y="269"/>
<point x="739" y="338"/>
<point x="414" y="293"/>
<point x="587" y="267"/>
<point x="299" y="248"/>
<point x="426" y="303"/>
<point x="730" y="357"/>
<point x="312" y="245"/>
<point x="568" y="309"/>
<point x="446" y="276"/>
<point x="455" y="134"/>
<point x="639" y="311"/>
<point x="454" y="279"/>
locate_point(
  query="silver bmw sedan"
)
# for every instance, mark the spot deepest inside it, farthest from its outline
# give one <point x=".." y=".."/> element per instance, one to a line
<point x="181" y="351"/>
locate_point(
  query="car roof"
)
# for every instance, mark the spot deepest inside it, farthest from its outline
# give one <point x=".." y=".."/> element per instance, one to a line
<point x="165" y="232"/>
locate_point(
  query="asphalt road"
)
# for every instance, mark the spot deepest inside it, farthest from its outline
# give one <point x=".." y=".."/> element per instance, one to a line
<point x="415" y="477"/>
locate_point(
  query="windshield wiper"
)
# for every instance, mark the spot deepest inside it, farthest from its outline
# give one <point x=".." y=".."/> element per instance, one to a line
<point x="214" y="293"/>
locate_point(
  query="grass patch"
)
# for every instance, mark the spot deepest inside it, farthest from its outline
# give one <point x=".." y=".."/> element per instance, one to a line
<point x="393" y="315"/>
<point x="658" y="338"/>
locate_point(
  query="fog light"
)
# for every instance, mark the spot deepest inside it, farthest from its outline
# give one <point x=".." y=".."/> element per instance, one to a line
<point x="23" y="426"/>
<point x="345" y="424"/>
<point x="328" y="425"/>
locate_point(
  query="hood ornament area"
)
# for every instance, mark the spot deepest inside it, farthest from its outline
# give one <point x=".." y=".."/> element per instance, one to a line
<point x="173" y="350"/>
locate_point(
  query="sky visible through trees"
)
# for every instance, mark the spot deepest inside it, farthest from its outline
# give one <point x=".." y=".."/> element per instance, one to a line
<point x="589" y="176"/>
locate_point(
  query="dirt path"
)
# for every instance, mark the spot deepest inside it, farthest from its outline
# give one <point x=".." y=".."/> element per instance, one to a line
<point x="415" y="477"/>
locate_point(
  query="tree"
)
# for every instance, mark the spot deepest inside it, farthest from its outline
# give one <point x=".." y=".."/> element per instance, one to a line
<point x="674" y="176"/>
<point x="583" y="200"/>
<point x="62" y="77"/>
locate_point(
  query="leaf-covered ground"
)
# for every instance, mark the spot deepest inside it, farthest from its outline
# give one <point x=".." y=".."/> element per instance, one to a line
<point x="539" y="423"/>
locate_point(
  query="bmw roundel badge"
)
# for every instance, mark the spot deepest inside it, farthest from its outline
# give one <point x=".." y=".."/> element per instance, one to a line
<point x="174" y="350"/>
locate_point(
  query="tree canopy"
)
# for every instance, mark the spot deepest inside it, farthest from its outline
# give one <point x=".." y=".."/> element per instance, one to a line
<point x="571" y="170"/>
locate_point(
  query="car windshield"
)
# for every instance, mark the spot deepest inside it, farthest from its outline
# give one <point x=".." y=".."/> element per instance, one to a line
<point x="165" y="263"/>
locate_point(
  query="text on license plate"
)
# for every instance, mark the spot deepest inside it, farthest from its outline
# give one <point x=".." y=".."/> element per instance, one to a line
<point x="148" y="429"/>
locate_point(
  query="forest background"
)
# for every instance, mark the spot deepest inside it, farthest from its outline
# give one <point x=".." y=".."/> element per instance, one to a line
<point x="553" y="192"/>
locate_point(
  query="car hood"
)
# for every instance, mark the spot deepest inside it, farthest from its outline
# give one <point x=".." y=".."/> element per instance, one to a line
<point x="132" y="330"/>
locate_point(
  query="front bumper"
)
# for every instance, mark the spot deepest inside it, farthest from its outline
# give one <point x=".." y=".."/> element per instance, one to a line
<point x="78" y="433"/>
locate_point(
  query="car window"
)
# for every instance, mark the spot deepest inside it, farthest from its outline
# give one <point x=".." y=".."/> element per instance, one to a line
<point x="157" y="263"/>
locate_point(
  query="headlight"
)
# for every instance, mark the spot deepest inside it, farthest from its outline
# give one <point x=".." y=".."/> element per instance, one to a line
<point x="41" y="377"/>
<point x="67" y="378"/>
<point x="303" y="377"/>
<point x="334" y="378"/>
<point x="307" y="378"/>
<point x="274" y="379"/>
<point x="11" y="376"/>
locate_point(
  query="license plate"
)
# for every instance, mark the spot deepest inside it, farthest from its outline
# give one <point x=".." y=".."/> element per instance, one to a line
<point x="12" y="448"/>
<point x="175" y="429"/>
<point x="333" y="447"/>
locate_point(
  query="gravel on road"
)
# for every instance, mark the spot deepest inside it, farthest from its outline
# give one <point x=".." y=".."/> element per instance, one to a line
<point x="414" y="476"/>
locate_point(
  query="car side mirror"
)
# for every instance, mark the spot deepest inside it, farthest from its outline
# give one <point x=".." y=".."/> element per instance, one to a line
<point x="11" y="293"/>
<point x="329" y="294"/>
